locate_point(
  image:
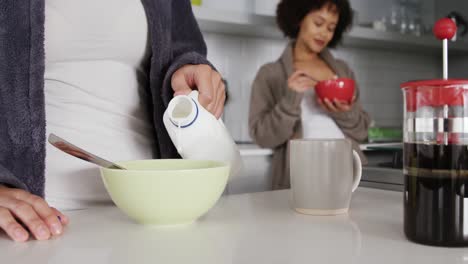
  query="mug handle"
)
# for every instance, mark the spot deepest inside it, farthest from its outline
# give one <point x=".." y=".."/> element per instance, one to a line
<point x="357" y="170"/>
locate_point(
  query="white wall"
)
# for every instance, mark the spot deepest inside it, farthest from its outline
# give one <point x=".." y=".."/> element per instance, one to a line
<point x="238" y="59"/>
<point x="378" y="72"/>
<point x="458" y="67"/>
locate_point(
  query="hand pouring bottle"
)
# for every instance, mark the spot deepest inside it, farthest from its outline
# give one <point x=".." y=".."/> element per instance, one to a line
<point x="197" y="134"/>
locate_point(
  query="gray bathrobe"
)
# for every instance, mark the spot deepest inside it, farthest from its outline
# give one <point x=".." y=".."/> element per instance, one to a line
<point x="176" y="40"/>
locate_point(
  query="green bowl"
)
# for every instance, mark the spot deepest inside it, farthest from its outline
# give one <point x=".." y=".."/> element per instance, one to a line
<point x="166" y="191"/>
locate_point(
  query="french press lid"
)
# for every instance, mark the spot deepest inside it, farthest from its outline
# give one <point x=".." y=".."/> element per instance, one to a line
<point x="435" y="93"/>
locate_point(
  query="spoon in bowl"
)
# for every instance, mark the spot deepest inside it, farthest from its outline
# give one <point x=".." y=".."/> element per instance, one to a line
<point x="77" y="152"/>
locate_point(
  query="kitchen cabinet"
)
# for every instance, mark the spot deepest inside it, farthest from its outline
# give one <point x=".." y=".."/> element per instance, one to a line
<point x="259" y="25"/>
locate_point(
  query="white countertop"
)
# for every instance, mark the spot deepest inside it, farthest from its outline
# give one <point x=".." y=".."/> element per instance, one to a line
<point x="248" y="228"/>
<point x="253" y="150"/>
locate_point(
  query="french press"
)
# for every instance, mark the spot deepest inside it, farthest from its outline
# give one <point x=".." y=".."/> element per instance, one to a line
<point x="435" y="158"/>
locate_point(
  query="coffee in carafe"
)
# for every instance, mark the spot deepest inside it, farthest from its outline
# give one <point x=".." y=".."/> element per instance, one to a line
<point x="436" y="162"/>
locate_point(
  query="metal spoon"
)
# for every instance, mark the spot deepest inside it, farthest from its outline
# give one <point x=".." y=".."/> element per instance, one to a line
<point x="75" y="151"/>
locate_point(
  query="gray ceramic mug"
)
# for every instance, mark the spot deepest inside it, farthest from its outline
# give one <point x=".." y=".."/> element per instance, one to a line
<point x="324" y="174"/>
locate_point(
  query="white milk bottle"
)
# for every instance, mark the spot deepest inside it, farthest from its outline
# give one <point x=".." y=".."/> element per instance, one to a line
<point x="197" y="134"/>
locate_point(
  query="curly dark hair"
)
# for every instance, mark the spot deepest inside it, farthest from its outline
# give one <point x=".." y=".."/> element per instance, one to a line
<point x="290" y="13"/>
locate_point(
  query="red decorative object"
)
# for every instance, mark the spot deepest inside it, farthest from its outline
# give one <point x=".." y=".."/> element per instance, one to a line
<point x="445" y="28"/>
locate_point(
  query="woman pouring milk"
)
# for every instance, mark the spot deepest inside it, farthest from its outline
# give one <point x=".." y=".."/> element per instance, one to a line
<point x="100" y="79"/>
<point x="283" y="102"/>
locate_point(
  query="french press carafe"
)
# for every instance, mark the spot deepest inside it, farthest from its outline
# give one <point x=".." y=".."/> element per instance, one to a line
<point x="436" y="156"/>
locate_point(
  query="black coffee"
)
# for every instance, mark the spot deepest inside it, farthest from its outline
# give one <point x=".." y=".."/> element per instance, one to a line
<point x="436" y="194"/>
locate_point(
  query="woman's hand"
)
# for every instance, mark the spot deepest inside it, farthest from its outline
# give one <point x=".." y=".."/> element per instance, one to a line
<point x="207" y="81"/>
<point x="20" y="210"/>
<point x="300" y="81"/>
<point x="336" y="106"/>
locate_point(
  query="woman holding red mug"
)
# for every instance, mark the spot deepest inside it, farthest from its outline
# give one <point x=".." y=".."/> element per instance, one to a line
<point x="283" y="101"/>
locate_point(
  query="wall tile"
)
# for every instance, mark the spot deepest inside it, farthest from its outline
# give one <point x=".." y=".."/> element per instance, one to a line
<point x="458" y="67"/>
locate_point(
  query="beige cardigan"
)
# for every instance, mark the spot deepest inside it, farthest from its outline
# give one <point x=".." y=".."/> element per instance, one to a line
<point x="275" y="112"/>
